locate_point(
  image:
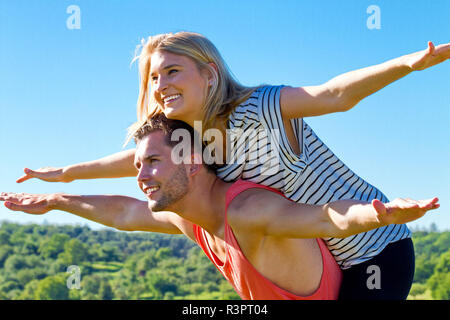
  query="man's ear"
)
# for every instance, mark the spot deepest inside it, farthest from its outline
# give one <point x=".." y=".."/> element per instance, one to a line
<point x="194" y="169"/>
<point x="195" y="163"/>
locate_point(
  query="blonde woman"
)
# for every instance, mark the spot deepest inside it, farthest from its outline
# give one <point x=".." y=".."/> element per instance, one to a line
<point x="183" y="76"/>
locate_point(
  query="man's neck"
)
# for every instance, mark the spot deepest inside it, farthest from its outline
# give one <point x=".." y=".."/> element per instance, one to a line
<point x="205" y="204"/>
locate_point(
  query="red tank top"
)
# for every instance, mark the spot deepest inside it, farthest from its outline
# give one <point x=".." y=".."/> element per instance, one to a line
<point x="246" y="280"/>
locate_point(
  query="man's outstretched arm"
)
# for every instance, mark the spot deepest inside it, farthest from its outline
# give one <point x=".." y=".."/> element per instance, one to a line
<point x="120" y="212"/>
<point x="269" y="213"/>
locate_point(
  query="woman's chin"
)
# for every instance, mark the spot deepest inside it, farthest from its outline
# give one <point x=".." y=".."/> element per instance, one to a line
<point x="173" y="113"/>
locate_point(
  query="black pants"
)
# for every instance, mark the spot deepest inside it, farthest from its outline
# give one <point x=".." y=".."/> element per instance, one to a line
<point x="387" y="276"/>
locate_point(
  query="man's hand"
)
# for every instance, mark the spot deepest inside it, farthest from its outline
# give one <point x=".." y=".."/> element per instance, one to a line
<point x="429" y="57"/>
<point x="29" y="203"/>
<point x="48" y="174"/>
<point x="400" y="211"/>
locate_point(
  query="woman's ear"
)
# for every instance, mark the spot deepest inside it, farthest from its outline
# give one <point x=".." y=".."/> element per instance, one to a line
<point x="213" y="73"/>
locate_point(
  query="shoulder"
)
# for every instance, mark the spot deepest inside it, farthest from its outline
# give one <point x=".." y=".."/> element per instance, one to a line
<point x="269" y="105"/>
<point x="261" y="94"/>
<point x="251" y="208"/>
<point x="261" y="108"/>
<point x="185" y="226"/>
<point x="246" y="111"/>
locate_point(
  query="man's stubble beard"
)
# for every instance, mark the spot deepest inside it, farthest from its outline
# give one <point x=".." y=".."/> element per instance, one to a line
<point x="176" y="187"/>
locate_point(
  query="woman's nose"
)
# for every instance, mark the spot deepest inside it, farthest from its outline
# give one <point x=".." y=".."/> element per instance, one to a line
<point x="161" y="85"/>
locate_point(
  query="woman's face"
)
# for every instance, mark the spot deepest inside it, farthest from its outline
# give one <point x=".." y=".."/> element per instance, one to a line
<point x="178" y="86"/>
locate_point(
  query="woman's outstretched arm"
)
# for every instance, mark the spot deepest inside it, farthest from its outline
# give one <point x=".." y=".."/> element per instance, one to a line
<point x="346" y="90"/>
<point x="117" y="165"/>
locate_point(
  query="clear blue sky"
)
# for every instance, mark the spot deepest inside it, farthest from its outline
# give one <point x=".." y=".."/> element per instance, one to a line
<point x="68" y="96"/>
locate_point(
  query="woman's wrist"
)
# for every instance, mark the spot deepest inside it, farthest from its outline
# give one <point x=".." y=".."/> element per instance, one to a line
<point x="405" y="62"/>
<point x="67" y="173"/>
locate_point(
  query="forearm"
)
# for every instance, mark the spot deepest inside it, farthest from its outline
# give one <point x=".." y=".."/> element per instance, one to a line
<point x="269" y="213"/>
<point x="349" y="217"/>
<point x="108" y="210"/>
<point x="352" y="87"/>
<point x="117" y="165"/>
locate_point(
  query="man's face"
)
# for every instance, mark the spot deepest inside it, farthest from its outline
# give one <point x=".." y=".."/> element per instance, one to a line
<point x="163" y="182"/>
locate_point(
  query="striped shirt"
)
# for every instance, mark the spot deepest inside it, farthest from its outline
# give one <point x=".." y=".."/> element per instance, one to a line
<point x="259" y="151"/>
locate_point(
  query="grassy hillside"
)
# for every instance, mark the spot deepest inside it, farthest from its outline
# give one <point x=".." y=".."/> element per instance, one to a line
<point x="34" y="262"/>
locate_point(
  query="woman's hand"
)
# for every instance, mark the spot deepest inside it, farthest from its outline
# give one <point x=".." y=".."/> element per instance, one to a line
<point x="400" y="211"/>
<point x="429" y="57"/>
<point x="48" y="174"/>
<point x="346" y="90"/>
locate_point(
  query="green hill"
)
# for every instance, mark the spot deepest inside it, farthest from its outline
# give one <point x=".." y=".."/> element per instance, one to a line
<point x="34" y="262"/>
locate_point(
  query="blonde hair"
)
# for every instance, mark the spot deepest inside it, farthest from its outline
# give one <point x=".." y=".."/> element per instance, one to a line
<point x="224" y="95"/>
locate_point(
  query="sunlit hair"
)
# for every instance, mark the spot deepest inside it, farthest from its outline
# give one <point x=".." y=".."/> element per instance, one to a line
<point x="159" y="122"/>
<point x="224" y="95"/>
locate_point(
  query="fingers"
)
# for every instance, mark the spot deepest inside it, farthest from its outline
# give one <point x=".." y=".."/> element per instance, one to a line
<point x="12" y="197"/>
<point x="27" y="208"/>
<point x="379" y="207"/>
<point x="49" y="174"/>
<point x="444" y="50"/>
<point x="429" y="204"/>
<point x="23" y="178"/>
<point x="10" y="200"/>
<point x="12" y="206"/>
<point x="431" y="47"/>
<point x="23" y="202"/>
<point x="28" y="175"/>
<point x="410" y="204"/>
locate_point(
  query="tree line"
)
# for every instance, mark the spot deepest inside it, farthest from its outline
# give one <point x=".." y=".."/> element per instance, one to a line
<point x="35" y="261"/>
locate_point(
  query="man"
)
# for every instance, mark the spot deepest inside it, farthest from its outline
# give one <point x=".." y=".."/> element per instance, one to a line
<point x="264" y="244"/>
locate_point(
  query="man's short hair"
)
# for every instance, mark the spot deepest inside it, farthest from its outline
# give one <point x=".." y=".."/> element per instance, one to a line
<point x="168" y="126"/>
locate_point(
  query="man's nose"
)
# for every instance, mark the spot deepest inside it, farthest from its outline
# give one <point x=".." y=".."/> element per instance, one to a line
<point x="143" y="175"/>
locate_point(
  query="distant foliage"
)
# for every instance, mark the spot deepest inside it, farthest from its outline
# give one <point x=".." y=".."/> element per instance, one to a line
<point x="34" y="261"/>
<point x="432" y="276"/>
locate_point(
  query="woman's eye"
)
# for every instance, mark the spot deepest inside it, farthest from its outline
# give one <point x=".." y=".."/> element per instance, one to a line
<point x="173" y="71"/>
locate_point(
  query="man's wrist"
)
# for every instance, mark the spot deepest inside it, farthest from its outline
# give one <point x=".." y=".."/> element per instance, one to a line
<point x="380" y="218"/>
<point x="56" y="201"/>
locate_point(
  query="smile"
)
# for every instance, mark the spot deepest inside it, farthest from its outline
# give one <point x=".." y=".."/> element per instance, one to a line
<point x="172" y="98"/>
<point x="151" y="190"/>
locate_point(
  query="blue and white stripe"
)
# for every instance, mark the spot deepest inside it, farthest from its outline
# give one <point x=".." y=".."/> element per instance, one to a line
<point x="315" y="176"/>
